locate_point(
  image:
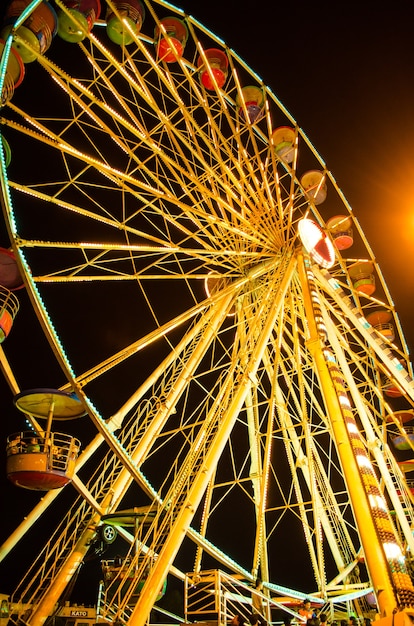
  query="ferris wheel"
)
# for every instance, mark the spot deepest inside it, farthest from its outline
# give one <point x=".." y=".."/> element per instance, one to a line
<point x="223" y="332"/>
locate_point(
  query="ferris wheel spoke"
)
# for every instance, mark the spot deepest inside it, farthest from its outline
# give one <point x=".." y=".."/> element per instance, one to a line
<point x="196" y="134"/>
<point x="128" y="184"/>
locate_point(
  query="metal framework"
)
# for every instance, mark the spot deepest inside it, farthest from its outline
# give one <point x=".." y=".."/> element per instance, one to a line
<point x="236" y="392"/>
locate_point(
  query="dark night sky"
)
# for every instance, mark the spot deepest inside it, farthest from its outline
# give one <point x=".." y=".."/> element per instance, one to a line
<point x="345" y="71"/>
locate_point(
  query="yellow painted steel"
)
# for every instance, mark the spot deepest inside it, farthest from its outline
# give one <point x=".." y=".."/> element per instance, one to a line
<point x="374" y="554"/>
<point x="207" y="450"/>
<point x="46" y="607"/>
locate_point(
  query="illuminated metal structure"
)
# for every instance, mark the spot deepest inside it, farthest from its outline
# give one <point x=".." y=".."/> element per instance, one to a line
<point x="224" y="359"/>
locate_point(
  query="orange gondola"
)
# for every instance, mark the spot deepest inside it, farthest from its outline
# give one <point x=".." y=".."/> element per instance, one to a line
<point x="380" y="320"/>
<point x="44" y="460"/>
<point x="213" y="70"/>
<point x="340" y="228"/>
<point x="362" y="276"/>
<point x="170" y="38"/>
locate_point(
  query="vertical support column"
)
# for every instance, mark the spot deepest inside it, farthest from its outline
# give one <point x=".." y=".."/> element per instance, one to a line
<point x="376" y="560"/>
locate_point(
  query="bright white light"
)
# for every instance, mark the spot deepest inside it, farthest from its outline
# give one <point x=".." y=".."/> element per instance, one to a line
<point x="377" y="502"/>
<point x="392" y="551"/>
<point x="352" y="427"/>
<point x="316" y="243"/>
<point x="363" y="461"/>
<point x="344" y="401"/>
